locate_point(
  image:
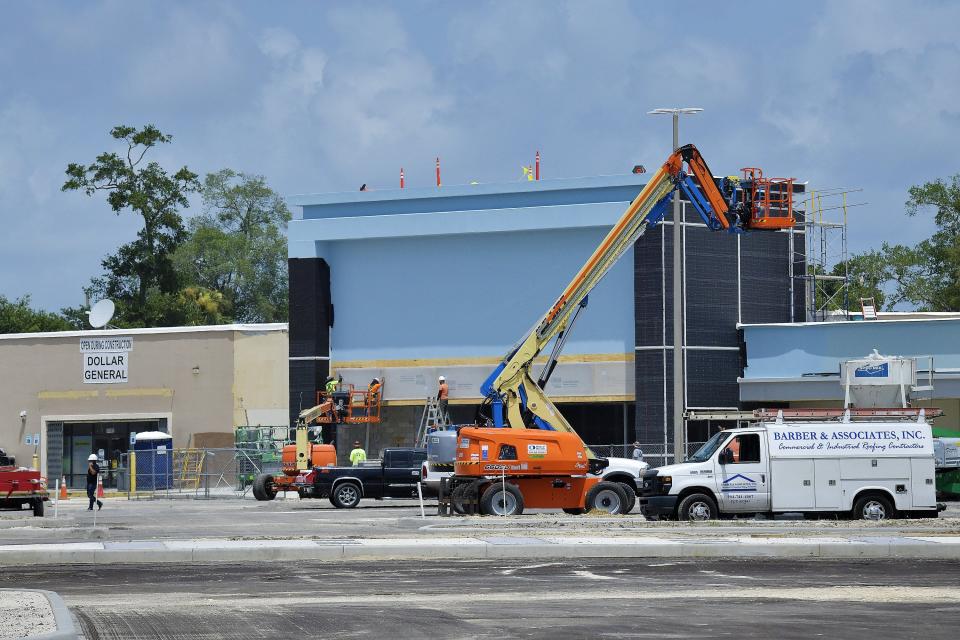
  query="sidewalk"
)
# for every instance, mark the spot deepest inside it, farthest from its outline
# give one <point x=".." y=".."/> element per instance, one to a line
<point x="483" y="547"/>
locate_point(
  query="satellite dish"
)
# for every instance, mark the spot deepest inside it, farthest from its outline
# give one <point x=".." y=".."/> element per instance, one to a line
<point x="101" y="313"/>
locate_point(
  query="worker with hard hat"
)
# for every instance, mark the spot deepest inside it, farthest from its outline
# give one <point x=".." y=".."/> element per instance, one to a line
<point x="331" y="385"/>
<point x="442" y="397"/>
<point x="93" y="473"/>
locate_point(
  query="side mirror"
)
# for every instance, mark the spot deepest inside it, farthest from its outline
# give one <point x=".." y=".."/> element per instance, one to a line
<point x="726" y="456"/>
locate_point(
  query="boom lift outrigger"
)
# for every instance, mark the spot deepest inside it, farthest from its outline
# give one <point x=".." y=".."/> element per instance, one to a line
<point x="512" y="397"/>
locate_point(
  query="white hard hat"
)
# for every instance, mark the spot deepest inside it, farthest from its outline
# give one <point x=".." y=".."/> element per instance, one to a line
<point x="441" y="378"/>
<point x="91" y="457"/>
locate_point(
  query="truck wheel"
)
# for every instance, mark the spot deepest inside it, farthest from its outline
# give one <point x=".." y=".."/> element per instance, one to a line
<point x="501" y="500"/>
<point x="697" y="507"/>
<point x="263" y="487"/>
<point x="345" y="495"/>
<point x="606" y="496"/>
<point x="631" y="495"/>
<point x="38" y="507"/>
<point x="873" y="507"/>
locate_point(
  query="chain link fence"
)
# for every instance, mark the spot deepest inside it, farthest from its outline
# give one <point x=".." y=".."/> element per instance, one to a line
<point x="193" y="473"/>
<point x="656" y="455"/>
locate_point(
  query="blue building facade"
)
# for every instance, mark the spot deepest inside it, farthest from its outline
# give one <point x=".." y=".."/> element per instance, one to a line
<point x="411" y="284"/>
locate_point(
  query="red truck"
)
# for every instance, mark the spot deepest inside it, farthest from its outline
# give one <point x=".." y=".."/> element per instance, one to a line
<point x="20" y="486"/>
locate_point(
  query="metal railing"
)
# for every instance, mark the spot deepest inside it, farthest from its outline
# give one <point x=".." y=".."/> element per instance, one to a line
<point x="194" y="473"/>
<point x="656" y="455"/>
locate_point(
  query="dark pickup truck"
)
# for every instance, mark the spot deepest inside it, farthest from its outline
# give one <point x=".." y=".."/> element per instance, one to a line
<point x="396" y="477"/>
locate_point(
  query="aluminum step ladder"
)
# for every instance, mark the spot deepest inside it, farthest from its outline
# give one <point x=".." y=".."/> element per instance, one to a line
<point x="430" y="421"/>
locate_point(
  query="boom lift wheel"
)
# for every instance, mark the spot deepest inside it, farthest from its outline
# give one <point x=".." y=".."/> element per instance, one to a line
<point x="38" y="507"/>
<point x="464" y="499"/>
<point x="263" y="487"/>
<point x="607" y="496"/>
<point x="501" y="499"/>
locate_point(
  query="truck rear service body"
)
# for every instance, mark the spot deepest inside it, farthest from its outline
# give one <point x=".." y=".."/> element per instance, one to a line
<point x="871" y="470"/>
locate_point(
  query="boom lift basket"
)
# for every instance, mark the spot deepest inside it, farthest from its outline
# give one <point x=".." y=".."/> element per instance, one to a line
<point x="770" y="200"/>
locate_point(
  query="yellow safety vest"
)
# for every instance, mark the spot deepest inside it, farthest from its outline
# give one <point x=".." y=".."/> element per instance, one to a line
<point x="357" y="456"/>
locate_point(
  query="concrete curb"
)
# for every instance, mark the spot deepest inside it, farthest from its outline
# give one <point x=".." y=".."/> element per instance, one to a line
<point x="61" y="615"/>
<point x="236" y="551"/>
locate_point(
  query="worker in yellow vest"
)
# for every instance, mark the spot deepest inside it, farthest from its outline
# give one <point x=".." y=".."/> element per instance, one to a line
<point x="358" y="455"/>
<point x="331" y="386"/>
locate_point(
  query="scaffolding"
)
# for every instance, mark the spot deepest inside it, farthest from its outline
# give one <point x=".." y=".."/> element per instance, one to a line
<point x="824" y="264"/>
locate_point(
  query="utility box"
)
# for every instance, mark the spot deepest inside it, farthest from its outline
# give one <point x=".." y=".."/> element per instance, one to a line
<point x="878" y="381"/>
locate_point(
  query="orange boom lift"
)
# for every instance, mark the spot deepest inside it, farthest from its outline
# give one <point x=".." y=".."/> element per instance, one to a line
<point x="539" y="461"/>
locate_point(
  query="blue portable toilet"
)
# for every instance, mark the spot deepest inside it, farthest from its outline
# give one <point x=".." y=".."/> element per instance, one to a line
<point x="154" y="460"/>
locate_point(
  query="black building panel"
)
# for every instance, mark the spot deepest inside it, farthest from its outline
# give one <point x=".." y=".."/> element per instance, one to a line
<point x="712" y="378"/>
<point x="311" y="316"/>
<point x="650" y="253"/>
<point x="765" y="277"/>
<point x="711" y="282"/>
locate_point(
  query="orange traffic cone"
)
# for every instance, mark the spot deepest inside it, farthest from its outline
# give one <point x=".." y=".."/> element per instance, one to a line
<point x="99" y="487"/>
<point x="63" y="489"/>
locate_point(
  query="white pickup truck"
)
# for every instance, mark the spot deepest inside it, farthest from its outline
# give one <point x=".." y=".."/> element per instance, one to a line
<point x="871" y="470"/>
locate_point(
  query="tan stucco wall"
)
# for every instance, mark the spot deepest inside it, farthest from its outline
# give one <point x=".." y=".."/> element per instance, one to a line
<point x="262" y="378"/>
<point x="44" y="377"/>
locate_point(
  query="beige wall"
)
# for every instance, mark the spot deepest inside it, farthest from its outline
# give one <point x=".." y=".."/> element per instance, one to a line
<point x="262" y="378"/>
<point x="236" y="370"/>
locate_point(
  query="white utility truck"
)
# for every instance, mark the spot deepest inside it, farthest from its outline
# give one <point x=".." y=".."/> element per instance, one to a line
<point x="866" y="463"/>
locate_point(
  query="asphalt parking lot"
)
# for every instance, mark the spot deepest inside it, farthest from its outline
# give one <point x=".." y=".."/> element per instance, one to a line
<point x="590" y="598"/>
<point x="122" y="520"/>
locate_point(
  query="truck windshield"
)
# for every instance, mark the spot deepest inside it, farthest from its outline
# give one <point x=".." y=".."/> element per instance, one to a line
<point x="708" y="448"/>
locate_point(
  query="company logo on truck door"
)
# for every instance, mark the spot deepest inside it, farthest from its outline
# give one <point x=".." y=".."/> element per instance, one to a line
<point x="738" y="483"/>
<point x="881" y="370"/>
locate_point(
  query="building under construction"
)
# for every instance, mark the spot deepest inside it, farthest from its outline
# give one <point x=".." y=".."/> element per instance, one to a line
<point x="410" y="284"/>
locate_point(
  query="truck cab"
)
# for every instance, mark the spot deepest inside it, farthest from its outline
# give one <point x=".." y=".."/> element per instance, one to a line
<point x="873" y="470"/>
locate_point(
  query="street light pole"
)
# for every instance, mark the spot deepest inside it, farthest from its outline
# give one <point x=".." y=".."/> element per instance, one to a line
<point x="679" y="377"/>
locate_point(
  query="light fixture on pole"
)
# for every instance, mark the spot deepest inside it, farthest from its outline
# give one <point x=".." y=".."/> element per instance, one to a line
<point x="679" y="377"/>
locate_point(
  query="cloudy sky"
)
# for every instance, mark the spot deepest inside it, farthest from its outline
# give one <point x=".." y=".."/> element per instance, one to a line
<point x="326" y="96"/>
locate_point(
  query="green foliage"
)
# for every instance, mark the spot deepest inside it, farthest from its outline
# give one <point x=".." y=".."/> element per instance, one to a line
<point x="143" y="268"/>
<point x="237" y="247"/>
<point x="17" y="317"/>
<point x="927" y="275"/>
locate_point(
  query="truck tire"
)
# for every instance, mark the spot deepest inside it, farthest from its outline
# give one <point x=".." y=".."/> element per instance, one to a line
<point x="631" y="495"/>
<point x="263" y="487"/>
<point x="501" y="500"/>
<point x="607" y="496"/>
<point x="697" y="507"/>
<point x="38" y="507"/>
<point x="346" y="495"/>
<point x="873" y="506"/>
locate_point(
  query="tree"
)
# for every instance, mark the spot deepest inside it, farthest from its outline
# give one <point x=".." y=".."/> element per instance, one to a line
<point x="17" y="317"/>
<point x="143" y="267"/>
<point x="925" y="276"/>
<point x="237" y="247"/>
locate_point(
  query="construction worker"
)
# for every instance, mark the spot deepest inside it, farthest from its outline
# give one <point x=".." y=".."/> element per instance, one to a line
<point x="93" y="472"/>
<point x="331" y="386"/>
<point x="374" y="388"/>
<point x="442" y="396"/>
<point x="357" y="455"/>
<point x="637" y="452"/>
